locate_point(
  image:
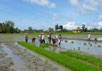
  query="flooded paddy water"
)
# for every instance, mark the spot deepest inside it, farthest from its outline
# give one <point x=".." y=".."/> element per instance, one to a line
<point x="13" y="57"/>
<point x="85" y="47"/>
<point x="93" y="48"/>
<point x="88" y="47"/>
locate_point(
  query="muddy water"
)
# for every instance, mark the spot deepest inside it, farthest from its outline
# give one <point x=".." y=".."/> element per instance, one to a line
<point x="92" y="48"/>
<point x="18" y="62"/>
<point x="43" y="58"/>
<point x="85" y="47"/>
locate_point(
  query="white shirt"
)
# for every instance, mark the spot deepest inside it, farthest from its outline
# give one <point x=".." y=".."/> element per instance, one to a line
<point x="89" y="35"/>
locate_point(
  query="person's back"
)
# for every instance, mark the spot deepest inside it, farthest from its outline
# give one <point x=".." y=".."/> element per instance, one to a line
<point x="26" y="38"/>
<point x="33" y="40"/>
<point x="54" y="40"/>
<point x="42" y="38"/>
<point x="49" y="38"/>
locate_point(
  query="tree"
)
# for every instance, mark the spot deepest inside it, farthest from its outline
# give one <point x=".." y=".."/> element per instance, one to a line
<point x="50" y="29"/>
<point x="7" y="27"/>
<point x="85" y="30"/>
<point x="9" y="23"/>
<point x="0" y="27"/>
<point x="61" y="27"/>
<point x="78" y="28"/>
<point x="56" y="27"/>
<point x="83" y="27"/>
<point x="30" y="29"/>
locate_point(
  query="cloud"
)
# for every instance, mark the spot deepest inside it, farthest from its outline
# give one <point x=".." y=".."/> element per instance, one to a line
<point x="58" y="17"/>
<point x="43" y="3"/>
<point x="86" y="6"/>
<point x="74" y="2"/>
<point x="70" y="25"/>
<point x="99" y="25"/>
<point x="100" y="17"/>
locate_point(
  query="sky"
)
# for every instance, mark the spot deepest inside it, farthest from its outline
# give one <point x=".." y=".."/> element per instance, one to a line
<point x="41" y="14"/>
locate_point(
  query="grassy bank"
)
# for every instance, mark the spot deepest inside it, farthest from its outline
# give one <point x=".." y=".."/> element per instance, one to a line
<point x="73" y="64"/>
<point x="90" y="59"/>
<point x="82" y="33"/>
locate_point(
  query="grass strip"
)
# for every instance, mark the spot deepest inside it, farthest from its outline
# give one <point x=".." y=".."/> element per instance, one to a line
<point x="46" y="45"/>
<point x="73" y="64"/>
<point x="90" y="59"/>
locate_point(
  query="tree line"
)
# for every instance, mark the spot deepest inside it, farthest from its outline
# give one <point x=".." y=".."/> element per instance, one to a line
<point x="83" y="28"/>
<point x="8" y="27"/>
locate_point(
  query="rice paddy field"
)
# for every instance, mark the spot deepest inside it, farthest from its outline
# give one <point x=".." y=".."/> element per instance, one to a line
<point x="75" y="53"/>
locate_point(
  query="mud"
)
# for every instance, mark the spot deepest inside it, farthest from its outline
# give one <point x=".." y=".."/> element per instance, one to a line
<point x="14" y="58"/>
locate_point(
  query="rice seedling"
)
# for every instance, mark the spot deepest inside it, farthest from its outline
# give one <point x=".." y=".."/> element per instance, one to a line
<point x="99" y="46"/>
<point x="85" y="44"/>
<point x="46" y="45"/>
<point x="72" y="42"/>
<point x="90" y="44"/>
<point x="66" y="41"/>
<point x="69" y="62"/>
<point x="78" y="48"/>
<point x="90" y="59"/>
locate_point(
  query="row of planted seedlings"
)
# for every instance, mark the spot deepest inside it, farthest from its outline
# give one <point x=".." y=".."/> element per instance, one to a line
<point x="73" y="64"/>
<point x="99" y="46"/>
<point x="91" y="59"/>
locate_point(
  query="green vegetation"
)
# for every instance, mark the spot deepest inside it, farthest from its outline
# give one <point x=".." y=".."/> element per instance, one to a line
<point x="82" y="33"/>
<point x="90" y="59"/>
<point x="66" y="41"/>
<point x="72" y="42"/>
<point x="85" y="44"/>
<point x="78" y="48"/>
<point x="8" y="27"/>
<point x="69" y="62"/>
<point x="46" y="45"/>
<point x="99" y="46"/>
<point x="90" y="44"/>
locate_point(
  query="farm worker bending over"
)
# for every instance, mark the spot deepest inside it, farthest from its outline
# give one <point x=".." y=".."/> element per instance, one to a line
<point x="26" y="37"/>
<point x="33" y="40"/>
<point x="54" y="40"/>
<point x="59" y="39"/>
<point x="49" y="38"/>
<point x="42" y="38"/>
<point x="89" y="36"/>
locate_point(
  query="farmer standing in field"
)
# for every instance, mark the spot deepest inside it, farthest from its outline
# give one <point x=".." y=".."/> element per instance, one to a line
<point x="42" y="38"/>
<point x="26" y="38"/>
<point x="89" y="36"/>
<point x="59" y="39"/>
<point x="49" y="38"/>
